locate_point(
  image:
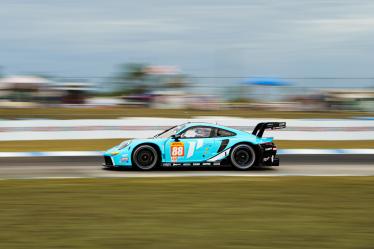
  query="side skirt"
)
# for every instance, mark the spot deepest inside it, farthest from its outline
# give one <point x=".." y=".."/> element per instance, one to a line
<point x="197" y="164"/>
<point x="218" y="160"/>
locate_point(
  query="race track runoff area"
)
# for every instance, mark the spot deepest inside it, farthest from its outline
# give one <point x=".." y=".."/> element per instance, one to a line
<point x="310" y="201"/>
<point x="188" y="212"/>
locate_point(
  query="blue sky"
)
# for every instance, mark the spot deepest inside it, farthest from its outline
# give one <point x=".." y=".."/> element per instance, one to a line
<point x="288" y="38"/>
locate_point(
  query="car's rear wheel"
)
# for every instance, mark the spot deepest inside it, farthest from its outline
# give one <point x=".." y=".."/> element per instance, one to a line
<point x="243" y="156"/>
<point x="145" y="157"/>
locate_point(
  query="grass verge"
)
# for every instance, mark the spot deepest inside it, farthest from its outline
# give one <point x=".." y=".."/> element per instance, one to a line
<point x="117" y="112"/>
<point x="104" y="144"/>
<point x="215" y="212"/>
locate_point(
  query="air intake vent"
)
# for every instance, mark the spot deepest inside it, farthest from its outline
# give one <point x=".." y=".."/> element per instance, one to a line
<point x="108" y="160"/>
<point x="223" y="145"/>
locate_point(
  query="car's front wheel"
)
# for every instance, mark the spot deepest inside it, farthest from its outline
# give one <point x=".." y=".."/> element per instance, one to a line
<point x="243" y="156"/>
<point x="145" y="157"/>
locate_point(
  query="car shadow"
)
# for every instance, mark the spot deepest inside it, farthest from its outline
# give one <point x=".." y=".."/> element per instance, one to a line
<point x="189" y="169"/>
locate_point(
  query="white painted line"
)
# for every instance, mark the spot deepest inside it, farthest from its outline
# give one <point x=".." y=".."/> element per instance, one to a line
<point x="187" y="175"/>
<point x="73" y="153"/>
<point x="51" y="154"/>
<point x="142" y="127"/>
<point x="280" y="152"/>
<point x="120" y="134"/>
<point x="326" y="151"/>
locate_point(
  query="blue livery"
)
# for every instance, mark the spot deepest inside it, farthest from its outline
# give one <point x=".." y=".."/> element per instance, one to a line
<point x="198" y="144"/>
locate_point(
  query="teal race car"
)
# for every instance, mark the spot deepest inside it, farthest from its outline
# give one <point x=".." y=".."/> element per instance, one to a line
<point x="198" y="144"/>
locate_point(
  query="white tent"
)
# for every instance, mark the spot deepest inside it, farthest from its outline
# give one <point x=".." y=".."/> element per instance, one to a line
<point x="23" y="82"/>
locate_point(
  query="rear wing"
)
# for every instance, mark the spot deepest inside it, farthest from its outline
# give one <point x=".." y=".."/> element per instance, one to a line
<point x="261" y="127"/>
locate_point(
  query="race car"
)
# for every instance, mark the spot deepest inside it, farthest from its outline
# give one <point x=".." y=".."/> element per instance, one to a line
<point x="198" y="144"/>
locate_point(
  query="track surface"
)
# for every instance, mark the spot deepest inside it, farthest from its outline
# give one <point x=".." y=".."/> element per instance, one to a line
<point x="66" y="167"/>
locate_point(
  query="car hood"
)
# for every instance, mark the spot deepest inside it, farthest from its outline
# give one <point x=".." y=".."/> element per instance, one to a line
<point x="135" y="142"/>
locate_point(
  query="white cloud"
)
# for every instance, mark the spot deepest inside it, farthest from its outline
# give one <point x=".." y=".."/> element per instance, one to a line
<point x="343" y="26"/>
<point x="255" y="36"/>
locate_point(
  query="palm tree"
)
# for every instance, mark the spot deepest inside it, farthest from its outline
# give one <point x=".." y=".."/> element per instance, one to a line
<point x="131" y="78"/>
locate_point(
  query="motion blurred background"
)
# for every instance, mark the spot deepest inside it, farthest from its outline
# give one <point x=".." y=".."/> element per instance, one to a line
<point x="214" y="55"/>
<point x="80" y="60"/>
<point x="78" y="77"/>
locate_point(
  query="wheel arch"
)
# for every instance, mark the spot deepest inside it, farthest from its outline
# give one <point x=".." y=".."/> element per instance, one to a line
<point x="255" y="147"/>
<point x="155" y="146"/>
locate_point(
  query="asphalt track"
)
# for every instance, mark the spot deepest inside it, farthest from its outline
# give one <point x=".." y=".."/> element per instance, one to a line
<point x="90" y="167"/>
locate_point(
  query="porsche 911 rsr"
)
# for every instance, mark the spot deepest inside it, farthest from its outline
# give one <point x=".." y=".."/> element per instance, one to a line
<point x="198" y="144"/>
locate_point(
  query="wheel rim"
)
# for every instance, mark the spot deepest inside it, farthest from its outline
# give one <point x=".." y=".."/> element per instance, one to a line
<point x="243" y="157"/>
<point x="145" y="158"/>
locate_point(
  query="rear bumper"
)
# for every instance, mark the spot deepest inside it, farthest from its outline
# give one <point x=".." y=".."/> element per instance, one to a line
<point x="268" y="155"/>
<point x="271" y="161"/>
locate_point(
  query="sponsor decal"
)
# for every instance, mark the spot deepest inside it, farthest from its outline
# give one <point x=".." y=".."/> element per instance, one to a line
<point x="125" y="158"/>
<point x="176" y="150"/>
<point x="191" y="164"/>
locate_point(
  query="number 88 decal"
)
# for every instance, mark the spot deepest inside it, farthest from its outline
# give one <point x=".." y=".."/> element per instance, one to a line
<point x="177" y="149"/>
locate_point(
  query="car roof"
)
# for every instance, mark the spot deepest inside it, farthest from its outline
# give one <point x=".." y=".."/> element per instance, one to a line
<point x="190" y="124"/>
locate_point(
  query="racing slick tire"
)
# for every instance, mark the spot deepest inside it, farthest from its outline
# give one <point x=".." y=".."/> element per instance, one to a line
<point x="145" y="157"/>
<point x="243" y="156"/>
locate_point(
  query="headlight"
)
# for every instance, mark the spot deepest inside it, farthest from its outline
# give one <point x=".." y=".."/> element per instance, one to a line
<point x="124" y="144"/>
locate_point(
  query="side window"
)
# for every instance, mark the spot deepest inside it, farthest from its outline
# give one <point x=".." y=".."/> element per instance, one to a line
<point x="197" y="132"/>
<point x="224" y="133"/>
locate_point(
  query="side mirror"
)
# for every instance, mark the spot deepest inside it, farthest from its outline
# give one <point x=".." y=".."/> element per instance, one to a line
<point x="176" y="137"/>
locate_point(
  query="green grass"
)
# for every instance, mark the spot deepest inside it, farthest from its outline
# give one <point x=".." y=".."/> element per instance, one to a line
<point x="117" y="112"/>
<point x="104" y="144"/>
<point x="215" y="212"/>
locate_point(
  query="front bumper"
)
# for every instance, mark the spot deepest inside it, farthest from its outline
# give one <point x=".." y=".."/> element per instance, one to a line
<point x="268" y="155"/>
<point x="108" y="162"/>
<point x="118" y="160"/>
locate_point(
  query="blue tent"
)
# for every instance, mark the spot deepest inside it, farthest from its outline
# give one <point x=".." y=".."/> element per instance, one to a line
<point x="265" y="82"/>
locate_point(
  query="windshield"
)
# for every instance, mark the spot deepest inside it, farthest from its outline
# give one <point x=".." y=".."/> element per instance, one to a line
<point x="171" y="131"/>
